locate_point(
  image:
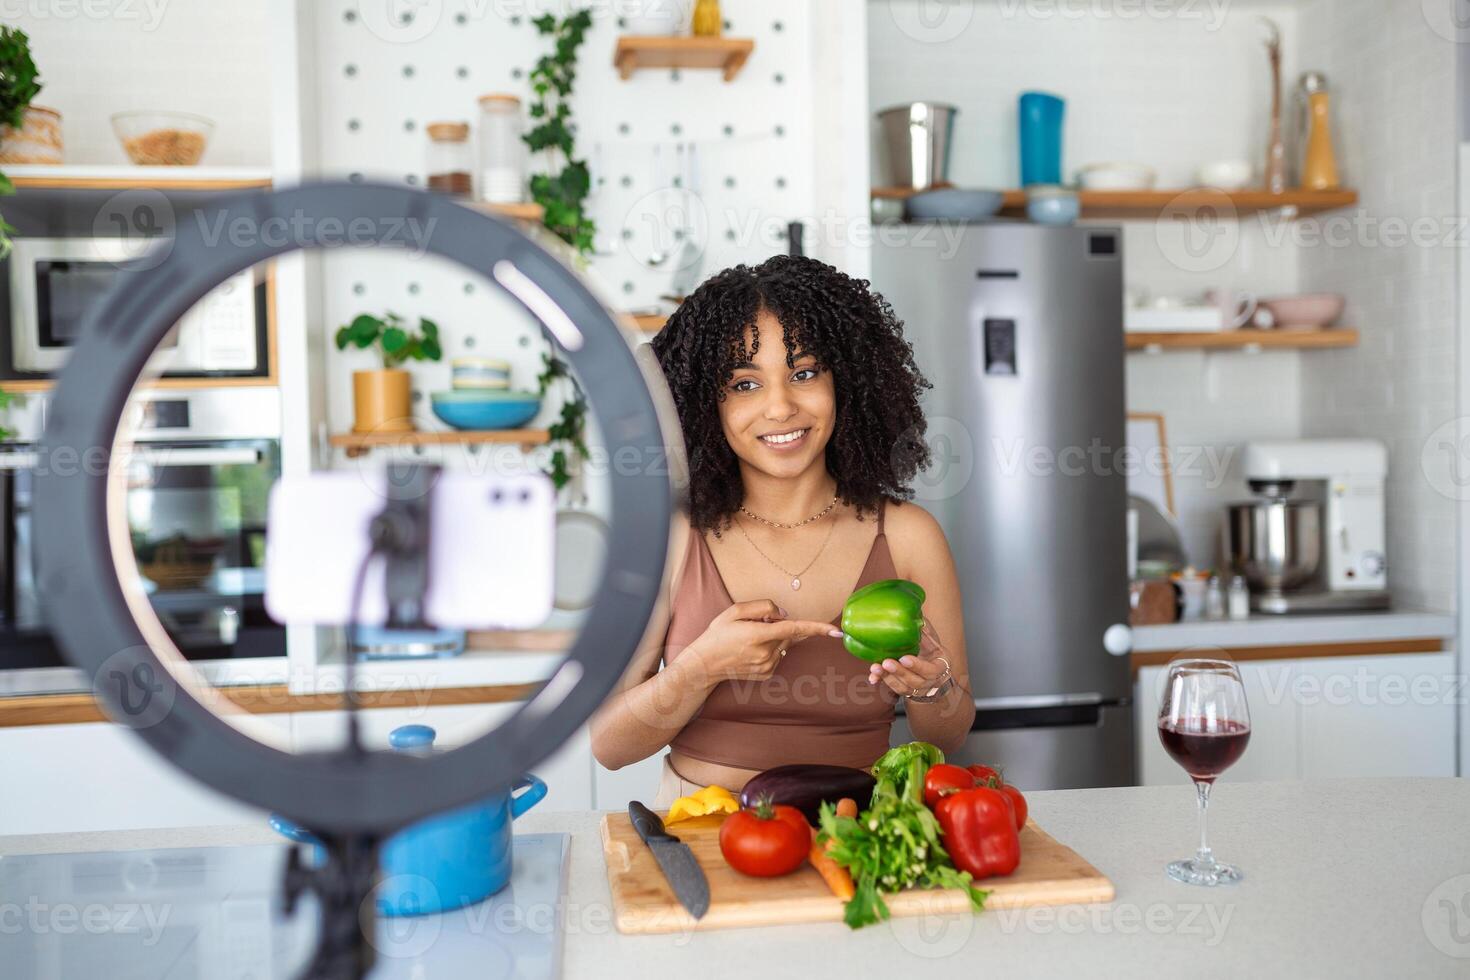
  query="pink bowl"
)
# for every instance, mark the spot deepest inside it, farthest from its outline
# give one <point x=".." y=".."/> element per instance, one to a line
<point x="1308" y="310"/>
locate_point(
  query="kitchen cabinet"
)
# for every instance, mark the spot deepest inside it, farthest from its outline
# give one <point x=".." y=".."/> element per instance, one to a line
<point x="1320" y="717"/>
<point x="97" y="776"/>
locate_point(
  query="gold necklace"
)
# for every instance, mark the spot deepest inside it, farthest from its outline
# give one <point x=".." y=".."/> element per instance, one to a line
<point x="787" y="527"/>
<point x="795" y="576"/>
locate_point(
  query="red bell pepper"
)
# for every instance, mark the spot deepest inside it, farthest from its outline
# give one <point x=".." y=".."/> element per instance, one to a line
<point x="991" y="776"/>
<point x="943" y="779"/>
<point x="979" y="828"/>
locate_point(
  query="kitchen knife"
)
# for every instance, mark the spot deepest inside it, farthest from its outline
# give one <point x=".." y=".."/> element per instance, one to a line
<point x="675" y="858"/>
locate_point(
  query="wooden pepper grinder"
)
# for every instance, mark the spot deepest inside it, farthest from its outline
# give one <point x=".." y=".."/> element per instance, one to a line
<point x="1319" y="165"/>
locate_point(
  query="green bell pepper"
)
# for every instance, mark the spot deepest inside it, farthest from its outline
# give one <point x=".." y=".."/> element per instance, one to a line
<point x="883" y="620"/>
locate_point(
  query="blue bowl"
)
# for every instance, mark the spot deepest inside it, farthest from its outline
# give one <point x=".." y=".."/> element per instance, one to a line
<point x="1052" y="207"/>
<point x="475" y="410"/>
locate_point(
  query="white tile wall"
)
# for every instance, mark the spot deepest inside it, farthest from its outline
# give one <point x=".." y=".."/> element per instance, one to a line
<point x="1176" y="89"/>
<point x="1392" y="78"/>
<point x="187" y="55"/>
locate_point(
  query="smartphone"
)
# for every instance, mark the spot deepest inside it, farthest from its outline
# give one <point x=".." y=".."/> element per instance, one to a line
<point x="492" y="541"/>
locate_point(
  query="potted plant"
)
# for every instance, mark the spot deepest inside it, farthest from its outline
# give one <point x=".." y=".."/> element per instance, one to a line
<point x="28" y="134"/>
<point x="382" y="399"/>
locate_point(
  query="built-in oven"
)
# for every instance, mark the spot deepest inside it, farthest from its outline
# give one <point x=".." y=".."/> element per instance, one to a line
<point x="54" y="281"/>
<point x="198" y="479"/>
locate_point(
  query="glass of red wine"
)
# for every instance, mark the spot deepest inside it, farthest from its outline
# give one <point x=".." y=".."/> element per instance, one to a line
<point x="1204" y="725"/>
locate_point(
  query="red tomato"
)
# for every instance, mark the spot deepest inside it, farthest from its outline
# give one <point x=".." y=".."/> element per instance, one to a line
<point x="943" y="779"/>
<point x="767" y="841"/>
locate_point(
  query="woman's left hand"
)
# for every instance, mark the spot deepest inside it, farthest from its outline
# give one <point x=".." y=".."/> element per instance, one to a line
<point x="908" y="676"/>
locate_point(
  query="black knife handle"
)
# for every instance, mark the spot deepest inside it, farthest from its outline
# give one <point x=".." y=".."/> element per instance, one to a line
<point x="647" y="823"/>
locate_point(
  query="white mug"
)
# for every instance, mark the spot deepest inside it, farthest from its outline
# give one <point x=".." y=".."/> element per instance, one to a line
<point x="1237" y="309"/>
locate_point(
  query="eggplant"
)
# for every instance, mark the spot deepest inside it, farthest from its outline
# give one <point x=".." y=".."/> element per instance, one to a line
<point x="806" y="787"/>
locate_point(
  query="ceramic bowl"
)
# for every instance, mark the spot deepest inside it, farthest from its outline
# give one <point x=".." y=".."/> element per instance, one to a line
<point x="1116" y="177"/>
<point x="479" y="372"/>
<point x="1047" y="204"/>
<point x="952" y="204"/>
<point x="481" y="410"/>
<point x="1314" y="310"/>
<point x="1225" y="175"/>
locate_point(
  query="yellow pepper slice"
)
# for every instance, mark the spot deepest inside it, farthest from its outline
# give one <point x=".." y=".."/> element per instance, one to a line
<point x="711" y="799"/>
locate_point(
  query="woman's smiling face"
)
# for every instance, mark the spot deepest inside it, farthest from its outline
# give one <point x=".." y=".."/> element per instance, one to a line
<point x="778" y="419"/>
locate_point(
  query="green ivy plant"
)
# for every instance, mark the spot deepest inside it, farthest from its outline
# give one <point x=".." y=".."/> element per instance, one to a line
<point x="395" y="343"/>
<point x="567" y="432"/>
<point x="6" y="400"/>
<point x="19" y="84"/>
<point x="561" y="193"/>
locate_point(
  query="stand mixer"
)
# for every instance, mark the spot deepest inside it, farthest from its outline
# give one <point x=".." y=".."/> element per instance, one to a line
<point x="1313" y="539"/>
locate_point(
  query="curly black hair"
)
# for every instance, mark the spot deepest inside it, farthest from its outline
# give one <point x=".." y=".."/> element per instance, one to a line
<point x="877" y="445"/>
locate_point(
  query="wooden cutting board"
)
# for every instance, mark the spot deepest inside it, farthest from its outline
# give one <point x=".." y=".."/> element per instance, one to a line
<point x="1050" y="874"/>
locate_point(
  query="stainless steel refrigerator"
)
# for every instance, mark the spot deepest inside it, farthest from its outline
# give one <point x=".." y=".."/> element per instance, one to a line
<point x="1020" y="329"/>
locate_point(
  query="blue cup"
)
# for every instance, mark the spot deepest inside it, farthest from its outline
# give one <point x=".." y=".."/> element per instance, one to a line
<point x="1040" y="115"/>
<point x="447" y="861"/>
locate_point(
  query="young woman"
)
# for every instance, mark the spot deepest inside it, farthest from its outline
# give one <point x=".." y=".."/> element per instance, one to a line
<point x="799" y="401"/>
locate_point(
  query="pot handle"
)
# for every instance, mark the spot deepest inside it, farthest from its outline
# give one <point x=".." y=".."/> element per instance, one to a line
<point x="291" y="831"/>
<point x="535" y="790"/>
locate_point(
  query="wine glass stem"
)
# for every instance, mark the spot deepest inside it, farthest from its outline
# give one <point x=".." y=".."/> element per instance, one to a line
<point x="1202" y="790"/>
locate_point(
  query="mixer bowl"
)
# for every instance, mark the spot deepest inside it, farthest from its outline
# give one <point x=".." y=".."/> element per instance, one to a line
<point x="1276" y="544"/>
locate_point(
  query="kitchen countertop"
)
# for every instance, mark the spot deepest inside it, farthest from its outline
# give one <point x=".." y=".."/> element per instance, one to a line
<point x="1334" y="887"/>
<point x="1266" y="630"/>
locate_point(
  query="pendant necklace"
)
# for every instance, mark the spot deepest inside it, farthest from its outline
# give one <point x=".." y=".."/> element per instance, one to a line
<point x="794" y="576"/>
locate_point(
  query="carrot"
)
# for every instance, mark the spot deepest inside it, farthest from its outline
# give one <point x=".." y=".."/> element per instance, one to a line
<point x="835" y="875"/>
<point x="838" y="878"/>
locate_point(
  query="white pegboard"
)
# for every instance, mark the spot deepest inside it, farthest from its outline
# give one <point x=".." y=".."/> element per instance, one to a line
<point x="379" y="86"/>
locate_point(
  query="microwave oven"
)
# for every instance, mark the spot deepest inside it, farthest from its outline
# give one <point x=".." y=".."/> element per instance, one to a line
<point x="55" y="281"/>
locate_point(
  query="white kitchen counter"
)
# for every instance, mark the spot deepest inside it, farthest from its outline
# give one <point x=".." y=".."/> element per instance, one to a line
<point x="1265" y="630"/>
<point x="1344" y="878"/>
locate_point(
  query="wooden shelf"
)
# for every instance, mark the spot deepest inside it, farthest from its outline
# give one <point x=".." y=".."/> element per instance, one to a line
<point x="726" y="54"/>
<point x="125" y="176"/>
<point x="1245" y="339"/>
<point x="648" y="322"/>
<point x="1161" y="203"/>
<point x="37" y="386"/>
<point x="358" y="443"/>
<point x="526" y="211"/>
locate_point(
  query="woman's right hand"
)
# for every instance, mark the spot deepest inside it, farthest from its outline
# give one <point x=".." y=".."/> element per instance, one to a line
<point x="748" y="640"/>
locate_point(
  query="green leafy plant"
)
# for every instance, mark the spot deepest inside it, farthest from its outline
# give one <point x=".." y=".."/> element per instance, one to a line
<point x="19" y="84"/>
<point x="19" y="79"/>
<point x="569" y="430"/>
<point x="395" y="342"/>
<point x="560" y="192"/>
<point x="6" y="400"/>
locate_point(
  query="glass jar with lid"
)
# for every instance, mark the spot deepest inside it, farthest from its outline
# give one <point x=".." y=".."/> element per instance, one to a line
<point x="449" y="163"/>
<point x="502" y="152"/>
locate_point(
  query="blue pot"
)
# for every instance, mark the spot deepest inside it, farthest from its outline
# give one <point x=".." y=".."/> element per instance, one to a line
<point x="447" y="861"/>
